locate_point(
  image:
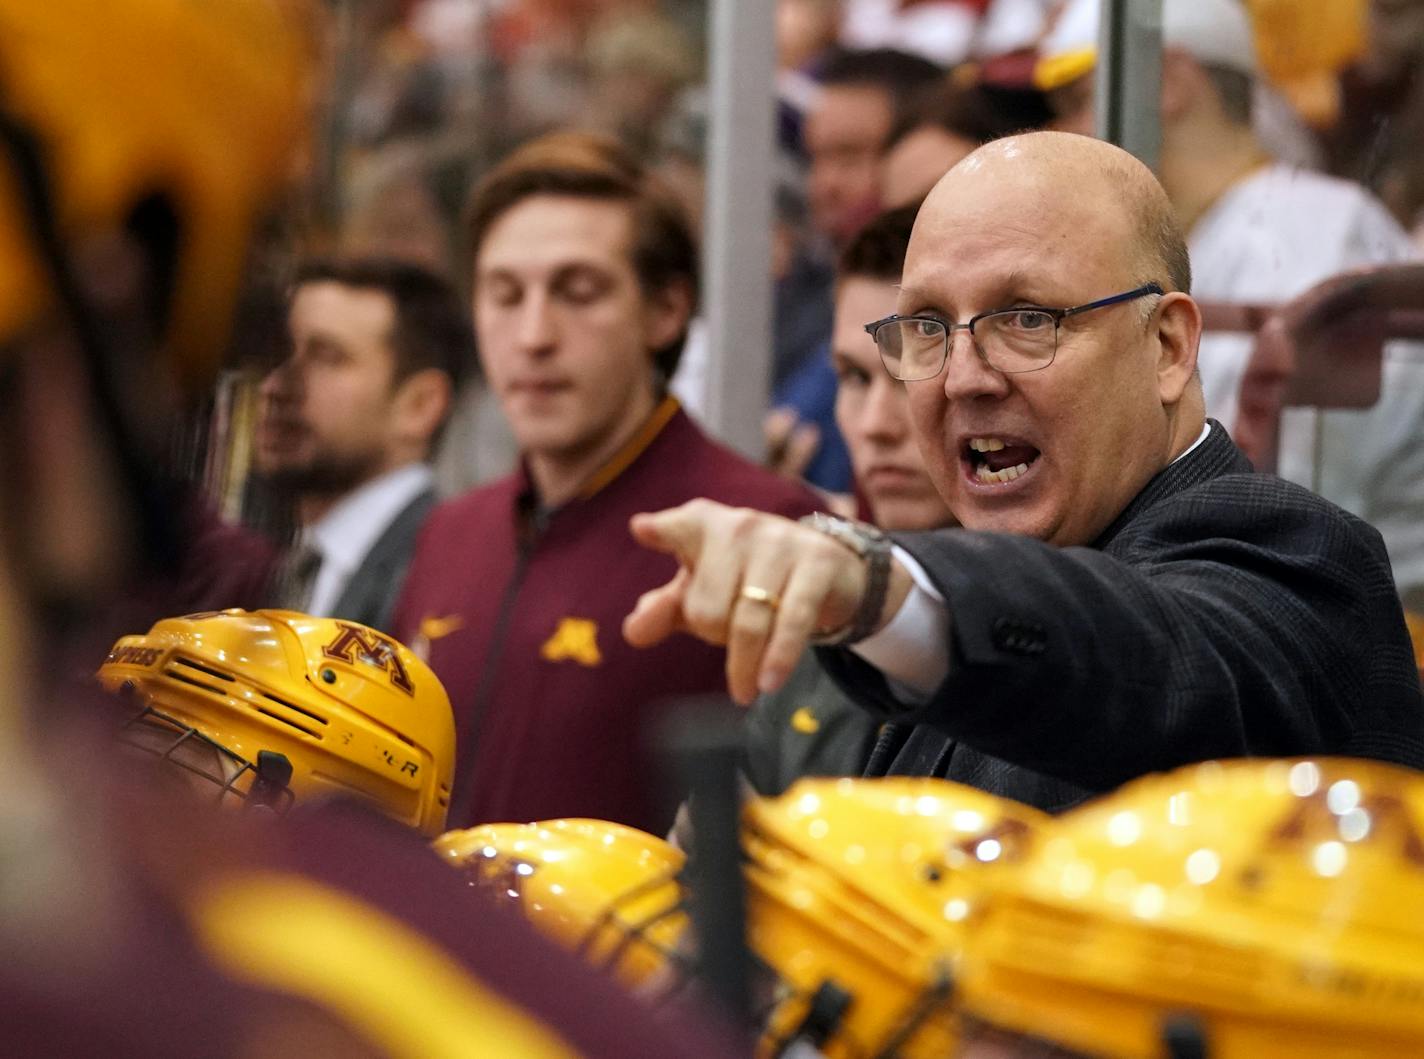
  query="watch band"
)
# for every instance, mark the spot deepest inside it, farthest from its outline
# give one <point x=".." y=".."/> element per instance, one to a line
<point x="874" y="547"/>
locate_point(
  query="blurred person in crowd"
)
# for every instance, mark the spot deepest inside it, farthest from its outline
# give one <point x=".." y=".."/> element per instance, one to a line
<point x="1126" y="595"/>
<point x="801" y="304"/>
<point x="348" y="424"/>
<point x="639" y="61"/>
<point x="1377" y="136"/>
<point x="585" y="278"/>
<point x="946" y="32"/>
<point x="861" y="97"/>
<point x="1263" y="232"/>
<point x="124" y="127"/>
<point x="395" y="214"/>
<point x="805" y="30"/>
<point x="1233" y="910"/>
<point x="1303" y="47"/>
<point x="858" y="100"/>
<point x="802" y="283"/>
<point x="945" y="123"/>
<point x="809" y="727"/>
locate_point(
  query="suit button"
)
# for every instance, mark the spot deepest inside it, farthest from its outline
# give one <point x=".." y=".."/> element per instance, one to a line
<point x="1018" y="637"/>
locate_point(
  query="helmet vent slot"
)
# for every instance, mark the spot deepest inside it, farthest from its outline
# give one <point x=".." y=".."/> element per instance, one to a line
<point x="188" y="663"/>
<point x="288" y="721"/>
<point x="293" y="706"/>
<point x="183" y="678"/>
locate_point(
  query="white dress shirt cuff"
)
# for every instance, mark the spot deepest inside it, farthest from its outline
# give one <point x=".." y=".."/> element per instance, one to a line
<point x="912" y="651"/>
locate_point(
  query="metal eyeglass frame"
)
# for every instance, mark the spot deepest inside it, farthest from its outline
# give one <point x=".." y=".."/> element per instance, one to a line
<point x="1057" y="315"/>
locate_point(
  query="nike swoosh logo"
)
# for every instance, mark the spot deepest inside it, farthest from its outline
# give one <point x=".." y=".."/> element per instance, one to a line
<point x="433" y="628"/>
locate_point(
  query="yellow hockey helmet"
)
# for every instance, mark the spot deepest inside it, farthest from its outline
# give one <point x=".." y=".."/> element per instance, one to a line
<point x="605" y="890"/>
<point x="111" y="106"/>
<point x="1275" y="905"/>
<point x="351" y="710"/>
<point x="857" y="895"/>
<point x="858" y="892"/>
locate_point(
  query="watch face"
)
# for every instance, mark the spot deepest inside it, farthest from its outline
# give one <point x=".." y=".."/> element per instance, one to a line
<point x="875" y="533"/>
<point x="860" y="537"/>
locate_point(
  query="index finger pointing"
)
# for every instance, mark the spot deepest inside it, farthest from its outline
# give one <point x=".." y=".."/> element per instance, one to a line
<point x="678" y="531"/>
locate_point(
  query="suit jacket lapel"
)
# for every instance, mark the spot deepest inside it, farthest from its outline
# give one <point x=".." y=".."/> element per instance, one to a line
<point x="371" y="592"/>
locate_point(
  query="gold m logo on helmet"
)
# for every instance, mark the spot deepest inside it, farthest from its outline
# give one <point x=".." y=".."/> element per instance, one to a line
<point x="354" y="642"/>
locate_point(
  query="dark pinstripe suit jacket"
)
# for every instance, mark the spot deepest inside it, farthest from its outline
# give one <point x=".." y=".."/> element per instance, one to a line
<point x="1224" y="614"/>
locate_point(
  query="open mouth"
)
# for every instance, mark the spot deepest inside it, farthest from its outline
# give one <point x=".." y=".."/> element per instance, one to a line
<point x="996" y="461"/>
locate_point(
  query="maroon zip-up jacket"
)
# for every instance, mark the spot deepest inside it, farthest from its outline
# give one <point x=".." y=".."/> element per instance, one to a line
<point x="520" y="611"/>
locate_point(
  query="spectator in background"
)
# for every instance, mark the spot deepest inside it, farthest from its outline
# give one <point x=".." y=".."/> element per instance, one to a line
<point x="1263" y="232"/>
<point x="945" y="123"/>
<point x="1379" y="137"/>
<point x="802" y="281"/>
<point x="585" y="279"/>
<point x="810" y="727"/>
<point x="944" y="31"/>
<point x="862" y="96"/>
<point x="805" y="29"/>
<point x="638" y="63"/>
<point x="348" y="424"/>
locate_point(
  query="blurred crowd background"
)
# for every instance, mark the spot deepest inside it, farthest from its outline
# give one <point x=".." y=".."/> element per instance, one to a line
<point x="875" y="98"/>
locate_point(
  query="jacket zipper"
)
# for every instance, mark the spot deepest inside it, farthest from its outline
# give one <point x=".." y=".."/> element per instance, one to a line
<point x="462" y="797"/>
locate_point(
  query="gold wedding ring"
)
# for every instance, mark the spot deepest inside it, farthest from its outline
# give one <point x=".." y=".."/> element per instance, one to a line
<point x="760" y="595"/>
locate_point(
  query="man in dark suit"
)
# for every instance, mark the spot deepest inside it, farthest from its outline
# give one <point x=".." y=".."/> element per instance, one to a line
<point x="1127" y="595"/>
<point x="348" y="422"/>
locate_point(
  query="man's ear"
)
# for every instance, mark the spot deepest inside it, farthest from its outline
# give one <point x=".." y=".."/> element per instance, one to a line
<point x="422" y="403"/>
<point x="1178" y="325"/>
<point x="666" y="313"/>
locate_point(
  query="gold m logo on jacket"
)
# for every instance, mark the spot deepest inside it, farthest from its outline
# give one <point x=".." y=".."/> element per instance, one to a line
<point x="804" y="721"/>
<point x="575" y="639"/>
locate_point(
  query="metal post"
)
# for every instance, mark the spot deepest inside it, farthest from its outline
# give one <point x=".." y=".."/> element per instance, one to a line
<point x="706" y="741"/>
<point x="1129" y="76"/>
<point x="736" y="252"/>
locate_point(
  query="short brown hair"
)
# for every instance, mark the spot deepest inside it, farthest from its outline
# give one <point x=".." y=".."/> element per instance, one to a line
<point x="588" y="165"/>
<point x="877" y="251"/>
<point x="432" y="324"/>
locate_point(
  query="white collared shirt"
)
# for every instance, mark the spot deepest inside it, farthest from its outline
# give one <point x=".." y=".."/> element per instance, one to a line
<point x="346" y="533"/>
<point x="913" y="648"/>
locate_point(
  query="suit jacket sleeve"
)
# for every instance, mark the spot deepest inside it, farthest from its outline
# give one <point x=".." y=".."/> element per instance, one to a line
<point x="1240" y="617"/>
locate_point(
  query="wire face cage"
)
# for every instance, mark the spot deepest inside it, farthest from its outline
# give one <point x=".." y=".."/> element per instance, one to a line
<point x="263" y="784"/>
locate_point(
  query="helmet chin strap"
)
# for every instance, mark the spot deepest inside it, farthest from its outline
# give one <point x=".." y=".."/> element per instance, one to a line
<point x="271" y="789"/>
<point x="155" y="495"/>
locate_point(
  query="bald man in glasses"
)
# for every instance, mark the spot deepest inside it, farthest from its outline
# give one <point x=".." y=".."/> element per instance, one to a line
<point x="1126" y="594"/>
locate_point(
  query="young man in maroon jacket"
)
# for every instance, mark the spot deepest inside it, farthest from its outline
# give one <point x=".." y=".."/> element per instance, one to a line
<point x="585" y="277"/>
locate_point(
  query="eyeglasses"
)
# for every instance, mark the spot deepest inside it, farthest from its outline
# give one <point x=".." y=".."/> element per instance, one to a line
<point x="1010" y="340"/>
